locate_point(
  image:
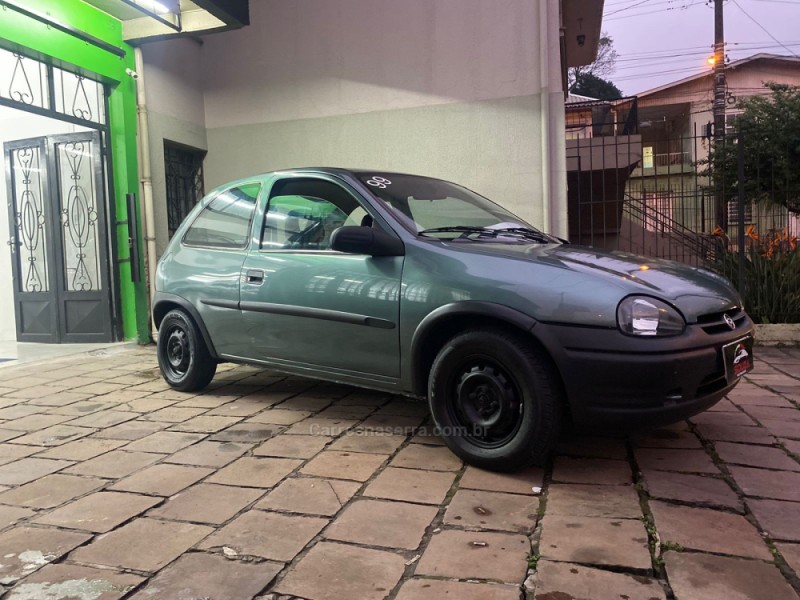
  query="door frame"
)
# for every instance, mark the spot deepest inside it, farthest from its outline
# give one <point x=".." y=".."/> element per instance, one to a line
<point x="52" y="203"/>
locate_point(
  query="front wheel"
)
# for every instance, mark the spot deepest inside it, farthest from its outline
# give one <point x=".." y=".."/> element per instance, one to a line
<point x="495" y="400"/>
<point x="183" y="357"/>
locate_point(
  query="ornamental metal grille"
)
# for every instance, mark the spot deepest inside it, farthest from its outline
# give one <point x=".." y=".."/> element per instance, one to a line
<point x="78" y="216"/>
<point x="78" y="96"/>
<point x="23" y="80"/>
<point x="30" y="219"/>
<point x="31" y="84"/>
<point x="184" y="178"/>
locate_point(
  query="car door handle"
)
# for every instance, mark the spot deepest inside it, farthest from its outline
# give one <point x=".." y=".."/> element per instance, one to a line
<point x="254" y="276"/>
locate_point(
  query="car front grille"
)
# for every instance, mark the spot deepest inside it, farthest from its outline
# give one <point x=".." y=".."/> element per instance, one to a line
<point x="714" y="323"/>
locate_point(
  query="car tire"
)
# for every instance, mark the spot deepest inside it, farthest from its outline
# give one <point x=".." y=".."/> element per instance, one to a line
<point x="496" y="400"/>
<point x="183" y="356"/>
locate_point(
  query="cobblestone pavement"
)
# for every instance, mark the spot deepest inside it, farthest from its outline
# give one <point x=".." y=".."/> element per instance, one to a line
<point x="114" y="486"/>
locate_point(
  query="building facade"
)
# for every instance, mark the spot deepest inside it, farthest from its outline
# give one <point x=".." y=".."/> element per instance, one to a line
<point x="464" y="90"/>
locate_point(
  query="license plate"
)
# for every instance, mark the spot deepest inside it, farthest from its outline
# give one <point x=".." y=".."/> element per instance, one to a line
<point x="738" y="357"/>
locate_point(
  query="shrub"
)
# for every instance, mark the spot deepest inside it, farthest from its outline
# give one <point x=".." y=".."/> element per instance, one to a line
<point x="771" y="274"/>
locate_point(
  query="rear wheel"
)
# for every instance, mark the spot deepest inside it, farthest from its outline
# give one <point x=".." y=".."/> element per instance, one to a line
<point x="183" y="357"/>
<point x="495" y="400"/>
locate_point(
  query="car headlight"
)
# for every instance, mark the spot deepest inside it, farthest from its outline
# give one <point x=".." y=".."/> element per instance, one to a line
<point x="643" y="315"/>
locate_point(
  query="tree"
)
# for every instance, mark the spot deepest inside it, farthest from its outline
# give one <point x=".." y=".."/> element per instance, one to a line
<point x="603" y="65"/>
<point x="593" y="86"/>
<point x="770" y="129"/>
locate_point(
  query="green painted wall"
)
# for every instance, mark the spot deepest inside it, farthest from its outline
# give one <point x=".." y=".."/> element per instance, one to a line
<point x="31" y="37"/>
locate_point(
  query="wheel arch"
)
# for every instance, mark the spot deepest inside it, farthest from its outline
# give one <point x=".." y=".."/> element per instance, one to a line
<point x="446" y="321"/>
<point x="163" y="303"/>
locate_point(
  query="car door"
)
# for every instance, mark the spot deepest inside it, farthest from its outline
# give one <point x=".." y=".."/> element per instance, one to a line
<point x="307" y="304"/>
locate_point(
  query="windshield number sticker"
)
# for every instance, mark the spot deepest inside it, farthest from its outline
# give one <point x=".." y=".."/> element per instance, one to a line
<point x="379" y="182"/>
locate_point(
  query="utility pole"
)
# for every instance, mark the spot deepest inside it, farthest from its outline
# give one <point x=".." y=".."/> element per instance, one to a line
<point x="719" y="102"/>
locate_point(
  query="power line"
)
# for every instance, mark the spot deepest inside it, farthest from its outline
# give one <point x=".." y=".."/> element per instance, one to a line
<point x="627" y="8"/>
<point x="746" y="14"/>
<point x="653" y="12"/>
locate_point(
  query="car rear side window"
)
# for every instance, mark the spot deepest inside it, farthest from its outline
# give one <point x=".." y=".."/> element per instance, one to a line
<point x="225" y="222"/>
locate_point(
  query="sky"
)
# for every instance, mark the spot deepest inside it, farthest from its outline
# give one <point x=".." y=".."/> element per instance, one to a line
<point x="661" y="41"/>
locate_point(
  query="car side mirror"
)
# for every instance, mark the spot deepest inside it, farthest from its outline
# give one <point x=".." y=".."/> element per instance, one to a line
<point x="366" y="240"/>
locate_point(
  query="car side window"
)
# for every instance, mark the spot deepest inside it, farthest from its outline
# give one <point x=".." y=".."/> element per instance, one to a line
<point x="302" y="214"/>
<point x="225" y="222"/>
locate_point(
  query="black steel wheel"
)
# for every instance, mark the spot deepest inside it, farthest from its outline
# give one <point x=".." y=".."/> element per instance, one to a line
<point x="495" y="400"/>
<point x="183" y="357"/>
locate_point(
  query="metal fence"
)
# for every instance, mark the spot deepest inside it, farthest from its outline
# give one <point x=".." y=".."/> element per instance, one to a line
<point x="694" y="200"/>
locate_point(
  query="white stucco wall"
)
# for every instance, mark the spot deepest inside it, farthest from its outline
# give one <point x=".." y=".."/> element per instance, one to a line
<point x="316" y="58"/>
<point x="17" y="125"/>
<point x="466" y="90"/>
<point x="173" y="76"/>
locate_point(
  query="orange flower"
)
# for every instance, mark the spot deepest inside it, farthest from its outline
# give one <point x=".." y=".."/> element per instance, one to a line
<point x="751" y="233"/>
<point x="718" y="231"/>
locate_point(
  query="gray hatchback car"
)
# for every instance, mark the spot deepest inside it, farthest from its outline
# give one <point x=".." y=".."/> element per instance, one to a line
<point x="421" y="287"/>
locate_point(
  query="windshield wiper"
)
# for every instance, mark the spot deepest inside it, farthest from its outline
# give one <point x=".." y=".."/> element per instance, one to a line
<point x="523" y="232"/>
<point x="463" y="229"/>
<point x="528" y="233"/>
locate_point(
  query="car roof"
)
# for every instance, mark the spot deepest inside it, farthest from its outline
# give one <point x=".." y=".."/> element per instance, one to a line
<point x="312" y="170"/>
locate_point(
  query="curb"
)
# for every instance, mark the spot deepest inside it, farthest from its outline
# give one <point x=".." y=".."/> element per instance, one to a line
<point x="781" y="334"/>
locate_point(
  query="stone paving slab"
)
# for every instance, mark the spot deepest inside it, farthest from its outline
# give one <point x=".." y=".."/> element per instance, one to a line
<point x="207" y="503"/>
<point x="475" y="509"/>
<point x="436" y="589"/>
<point x="576" y="500"/>
<point x="382" y="523"/>
<point x="595" y="540"/>
<point x="780" y="519"/>
<point x="142" y="545"/>
<point x="598" y="471"/>
<point x="791" y="554"/>
<point x="521" y="482"/>
<point x="476" y="555"/>
<point x="265" y="485"/>
<point x="411" y="485"/>
<point x="344" y="465"/>
<point x="50" y="491"/>
<point x="331" y="571"/>
<point x="270" y="536"/>
<point x="74" y="581"/>
<point x="684" y="461"/>
<point x="692" y="489"/>
<point x="756" y="456"/>
<point x="705" y="577"/>
<point x="26" y="549"/>
<point x="780" y="485"/>
<point x="310" y="495"/>
<point x="100" y="512"/>
<point x="200" y="575"/>
<point x="434" y="458"/>
<point x="557" y="581"/>
<point x="708" y="530"/>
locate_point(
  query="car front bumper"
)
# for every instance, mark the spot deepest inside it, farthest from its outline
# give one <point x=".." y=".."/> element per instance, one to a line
<point x="620" y="382"/>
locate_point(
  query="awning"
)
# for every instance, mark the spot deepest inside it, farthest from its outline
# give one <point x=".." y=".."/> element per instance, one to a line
<point x="145" y="20"/>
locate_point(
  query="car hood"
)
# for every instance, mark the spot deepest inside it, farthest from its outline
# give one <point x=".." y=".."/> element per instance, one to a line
<point x="692" y="290"/>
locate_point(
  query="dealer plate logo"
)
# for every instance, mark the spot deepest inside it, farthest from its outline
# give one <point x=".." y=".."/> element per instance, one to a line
<point x="738" y="357"/>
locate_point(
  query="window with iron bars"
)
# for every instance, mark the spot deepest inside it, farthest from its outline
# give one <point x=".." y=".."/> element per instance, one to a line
<point x="733" y="212"/>
<point x="183" y="167"/>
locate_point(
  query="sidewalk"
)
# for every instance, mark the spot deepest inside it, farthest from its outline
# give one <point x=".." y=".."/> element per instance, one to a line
<point x="265" y="486"/>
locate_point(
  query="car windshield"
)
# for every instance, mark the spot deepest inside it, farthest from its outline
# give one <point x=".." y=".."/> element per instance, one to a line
<point x="439" y="209"/>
